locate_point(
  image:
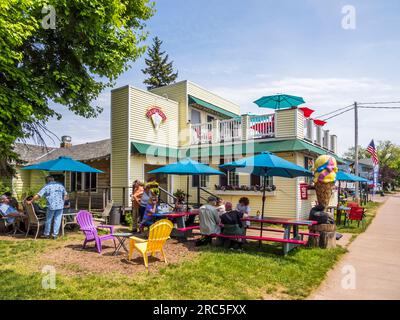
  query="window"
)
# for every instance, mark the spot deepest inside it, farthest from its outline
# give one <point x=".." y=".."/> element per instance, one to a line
<point x="195" y="116"/>
<point x="203" y="181"/>
<point x="210" y="118"/>
<point x="308" y="164"/>
<point x="233" y="178"/>
<point x="83" y="181"/>
<point x="258" y="181"/>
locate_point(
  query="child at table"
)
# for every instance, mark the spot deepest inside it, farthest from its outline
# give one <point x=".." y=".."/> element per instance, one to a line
<point x="151" y="208"/>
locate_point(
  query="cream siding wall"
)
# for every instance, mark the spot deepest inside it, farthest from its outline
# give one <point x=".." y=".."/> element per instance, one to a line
<point x="141" y="127"/>
<point x="203" y="94"/>
<point x="285" y="123"/>
<point x="120" y="144"/>
<point x="21" y="181"/>
<point x="300" y="124"/>
<point x="178" y="93"/>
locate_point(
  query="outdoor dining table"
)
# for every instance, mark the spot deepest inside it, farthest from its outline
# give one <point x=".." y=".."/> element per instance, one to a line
<point x="288" y="224"/>
<point x="121" y="237"/>
<point x="65" y="222"/>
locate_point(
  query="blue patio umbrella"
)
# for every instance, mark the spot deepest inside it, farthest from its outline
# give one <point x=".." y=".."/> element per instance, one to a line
<point x="187" y="167"/>
<point x="279" y="101"/>
<point x="344" y="176"/>
<point x="62" y="164"/>
<point x="266" y="165"/>
<point x="348" y="177"/>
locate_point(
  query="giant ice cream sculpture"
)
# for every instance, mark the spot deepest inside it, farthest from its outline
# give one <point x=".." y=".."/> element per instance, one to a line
<point x="325" y="168"/>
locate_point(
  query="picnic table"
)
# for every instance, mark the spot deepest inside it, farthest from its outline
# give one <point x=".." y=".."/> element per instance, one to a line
<point x="292" y="237"/>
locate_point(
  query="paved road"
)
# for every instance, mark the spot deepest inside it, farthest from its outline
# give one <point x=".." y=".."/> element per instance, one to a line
<point x="374" y="258"/>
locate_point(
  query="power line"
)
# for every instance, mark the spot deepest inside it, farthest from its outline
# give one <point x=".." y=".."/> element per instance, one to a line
<point x="389" y="102"/>
<point x="335" y="115"/>
<point x="370" y="107"/>
<point x="326" y="114"/>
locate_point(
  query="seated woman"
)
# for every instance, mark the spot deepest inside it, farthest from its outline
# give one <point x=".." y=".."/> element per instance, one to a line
<point x="233" y="225"/>
<point x="151" y="209"/>
<point x="40" y="212"/>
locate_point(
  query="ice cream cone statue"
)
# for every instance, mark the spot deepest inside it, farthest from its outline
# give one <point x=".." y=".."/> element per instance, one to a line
<point x="325" y="168"/>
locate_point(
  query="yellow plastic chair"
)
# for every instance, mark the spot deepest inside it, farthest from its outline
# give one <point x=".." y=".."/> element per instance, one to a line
<point x="158" y="235"/>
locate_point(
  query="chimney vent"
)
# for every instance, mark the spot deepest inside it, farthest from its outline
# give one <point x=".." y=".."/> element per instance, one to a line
<point x="66" y="142"/>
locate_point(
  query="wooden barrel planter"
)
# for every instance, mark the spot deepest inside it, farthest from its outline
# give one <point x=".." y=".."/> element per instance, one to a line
<point x="327" y="236"/>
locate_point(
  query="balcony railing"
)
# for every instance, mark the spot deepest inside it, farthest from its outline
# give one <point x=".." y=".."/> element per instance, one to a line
<point x="230" y="130"/>
<point x="201" y="133"/>
<point x="262" y="127"/>
<point x="240" y="128"/>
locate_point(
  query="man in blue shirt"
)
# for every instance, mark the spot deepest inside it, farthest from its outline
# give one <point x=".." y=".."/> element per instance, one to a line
<point x="55" y="195"/>
<point x="6" y="210"/>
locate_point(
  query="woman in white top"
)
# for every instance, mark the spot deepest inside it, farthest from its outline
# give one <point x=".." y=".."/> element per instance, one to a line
<point x="243" y="207"/>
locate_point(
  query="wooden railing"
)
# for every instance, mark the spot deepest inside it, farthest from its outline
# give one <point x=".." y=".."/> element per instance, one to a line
<point x="201" y="133"/>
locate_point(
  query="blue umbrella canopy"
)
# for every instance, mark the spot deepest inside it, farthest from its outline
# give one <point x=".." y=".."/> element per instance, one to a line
<point x="279" y="101"/>
<point x="267" y="164"/>
<point x="188" y="167"/>
<point x="344" y="176"/>
<point x="62" y="164"/>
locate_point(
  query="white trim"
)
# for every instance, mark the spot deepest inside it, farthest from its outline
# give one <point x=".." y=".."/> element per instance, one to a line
<point x="129" y="146"/>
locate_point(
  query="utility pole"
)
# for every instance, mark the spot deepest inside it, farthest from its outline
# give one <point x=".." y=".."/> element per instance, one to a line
<point x="356" y="147"/>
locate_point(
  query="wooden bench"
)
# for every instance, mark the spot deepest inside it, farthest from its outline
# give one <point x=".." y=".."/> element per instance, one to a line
<point x="258" y="238"/>
<point x="310" y="234"/>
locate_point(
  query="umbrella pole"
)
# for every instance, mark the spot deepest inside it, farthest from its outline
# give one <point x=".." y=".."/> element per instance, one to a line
<point x="187" y="193"/>
<point x="263" y="206"/>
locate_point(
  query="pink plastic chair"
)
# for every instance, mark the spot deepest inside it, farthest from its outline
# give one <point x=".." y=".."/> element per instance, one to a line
<point x="85" y="221"/>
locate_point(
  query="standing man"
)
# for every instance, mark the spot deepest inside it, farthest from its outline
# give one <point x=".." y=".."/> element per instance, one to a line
<point x="55" y="195"/>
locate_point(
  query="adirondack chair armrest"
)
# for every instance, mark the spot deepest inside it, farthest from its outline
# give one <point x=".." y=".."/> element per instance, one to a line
<point x="85" y="229"/>
<point x="105" y="226"/>
<point x="138" y="239"/>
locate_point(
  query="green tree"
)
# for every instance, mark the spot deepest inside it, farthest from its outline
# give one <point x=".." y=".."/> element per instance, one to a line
<point x="389" y="163"/>
<point x="350" y="153"/>
<point x="158" y="68"/>
<point x="43" y="69"/>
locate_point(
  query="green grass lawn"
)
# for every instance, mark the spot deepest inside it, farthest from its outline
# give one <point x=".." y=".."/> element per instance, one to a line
<point x="215" y="273"/>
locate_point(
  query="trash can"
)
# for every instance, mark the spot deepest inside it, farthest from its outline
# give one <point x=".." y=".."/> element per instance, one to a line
<point x="115" y="215"/>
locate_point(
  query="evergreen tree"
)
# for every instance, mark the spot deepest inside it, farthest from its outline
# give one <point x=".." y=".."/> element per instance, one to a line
<point x="158" y="68"/>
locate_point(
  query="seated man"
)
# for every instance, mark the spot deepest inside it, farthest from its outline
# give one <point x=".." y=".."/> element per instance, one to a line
<point x="209" y="221"/>
<point x="233" y="225"/>
<point x="6" y="210"/>
<point x="40" y="212"/>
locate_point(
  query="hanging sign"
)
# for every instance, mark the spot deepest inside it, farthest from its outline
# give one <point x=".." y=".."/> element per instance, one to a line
<point x="157" y="116"/>
<point x="304" y="191"/>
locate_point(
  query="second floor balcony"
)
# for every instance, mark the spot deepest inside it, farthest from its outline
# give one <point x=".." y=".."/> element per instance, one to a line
<point x="240" y="128"/>
<point x="283" y="124"/>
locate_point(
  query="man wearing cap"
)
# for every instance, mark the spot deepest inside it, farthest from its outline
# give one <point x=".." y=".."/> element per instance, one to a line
<point x="55" y="195"/>
<point x="209" y="221"/>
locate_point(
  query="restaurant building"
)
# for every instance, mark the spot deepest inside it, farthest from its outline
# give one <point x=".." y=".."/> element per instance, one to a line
<point x="152" y="128"/>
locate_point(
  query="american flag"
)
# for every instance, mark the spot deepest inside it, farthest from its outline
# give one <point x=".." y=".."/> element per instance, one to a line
<point x="372" y="150"/>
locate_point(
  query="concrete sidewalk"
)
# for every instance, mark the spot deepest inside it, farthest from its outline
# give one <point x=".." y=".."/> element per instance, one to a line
<point x="374" y="259"/>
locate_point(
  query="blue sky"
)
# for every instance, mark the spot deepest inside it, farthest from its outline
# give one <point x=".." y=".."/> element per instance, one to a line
<point x="246" y="49"/>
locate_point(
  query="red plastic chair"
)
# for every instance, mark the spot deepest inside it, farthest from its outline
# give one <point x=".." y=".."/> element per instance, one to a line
<point x="356" y="214"/>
